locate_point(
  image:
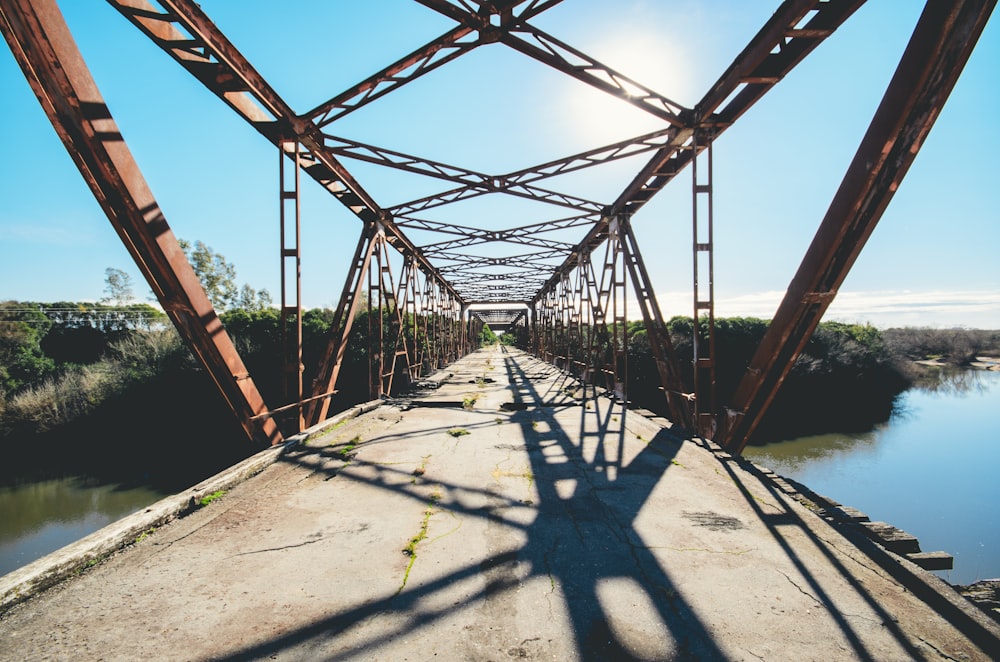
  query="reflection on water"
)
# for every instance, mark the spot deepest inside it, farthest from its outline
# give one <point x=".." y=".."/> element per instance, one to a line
<point x="957" y="382"/>
<point x="931" y="470"/>
<point x="39" y="518"/>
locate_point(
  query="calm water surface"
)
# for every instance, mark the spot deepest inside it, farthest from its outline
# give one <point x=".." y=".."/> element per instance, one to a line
<point x="933" y="470"/>
<point x="39" y="518"/>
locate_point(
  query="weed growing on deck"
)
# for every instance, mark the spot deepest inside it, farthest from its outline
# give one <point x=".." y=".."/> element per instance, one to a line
<point x="209" y="498"/>
<point x="345" y="452"/>
<point x="145" y="534"/>
<point x="421" y="470"/>
<point x="411" y="547"/>
<point x="458" y="432"/>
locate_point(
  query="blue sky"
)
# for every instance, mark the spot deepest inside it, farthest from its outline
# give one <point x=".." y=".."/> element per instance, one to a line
<point x="931" y="261"/>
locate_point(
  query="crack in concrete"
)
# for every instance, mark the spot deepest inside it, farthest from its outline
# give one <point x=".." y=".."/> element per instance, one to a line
<point x="864" y="618"/>
<point x="833" y="545"/>
<point x="277" y="549"/>
<point x="619" y="530"/>
<point x="936" y="649"/>
<point x="411" y="549"/>
<point x="553" y="585"/>
<point x="800" y="589"/>
<point x="165" y="545"/>
<point x="454" y="516"/>
<point x="696" y="549"/>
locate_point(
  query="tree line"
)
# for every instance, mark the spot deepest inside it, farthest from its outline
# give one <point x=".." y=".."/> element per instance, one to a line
<point x="71" y="370"/>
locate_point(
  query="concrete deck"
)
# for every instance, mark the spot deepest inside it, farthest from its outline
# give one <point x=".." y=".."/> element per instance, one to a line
<point x="556" y="528"/>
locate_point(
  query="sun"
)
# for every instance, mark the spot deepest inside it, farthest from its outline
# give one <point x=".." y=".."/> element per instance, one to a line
<point x="651" y="62"/>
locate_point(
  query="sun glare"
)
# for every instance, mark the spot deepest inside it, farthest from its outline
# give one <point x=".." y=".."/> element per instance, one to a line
<point x="651" y="63"/>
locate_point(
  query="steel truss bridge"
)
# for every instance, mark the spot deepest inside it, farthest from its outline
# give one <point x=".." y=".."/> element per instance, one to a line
<point x="570" y="299"/>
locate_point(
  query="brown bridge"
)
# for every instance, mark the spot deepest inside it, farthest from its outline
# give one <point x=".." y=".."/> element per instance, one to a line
<point x="569" y="301"/>
<point x="566" y="302"/>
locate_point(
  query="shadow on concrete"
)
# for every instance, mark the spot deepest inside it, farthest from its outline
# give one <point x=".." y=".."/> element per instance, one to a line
<point x="575" y="479"/>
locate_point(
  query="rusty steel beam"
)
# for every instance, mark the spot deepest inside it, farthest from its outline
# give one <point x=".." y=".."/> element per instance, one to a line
<point x="703" y="289"/>
<point x="519" y="276"/>
<point x="406" y="162"/>
<point x="290" y="260"/>
<point x="559" y="55"/>
<point x="208" y="55"/>
<point x="524" y="230"/>
<point x="324" y="384"/>
<point x="516" y="33"/>
<point x="776" y="48"/>
<point x="480" y="20"/>
<point x="935" y="56"/>
<point x="474" y="184"/>
<point x="425" y="59"/>
<point x="444" y="247"/>
<point x="48" y="56"/>
<point x="777" y="35"/>
<point x="497" y="185"/>
<point x="211" y="58"/>
<point x="468" y="261"/>
<point x="623" y="149"/>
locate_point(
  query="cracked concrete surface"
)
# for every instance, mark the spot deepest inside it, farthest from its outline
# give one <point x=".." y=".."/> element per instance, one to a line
<point x="558" y="529"/>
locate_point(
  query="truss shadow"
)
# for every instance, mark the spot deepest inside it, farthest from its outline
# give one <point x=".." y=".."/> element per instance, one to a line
<point x="583" y="538"/>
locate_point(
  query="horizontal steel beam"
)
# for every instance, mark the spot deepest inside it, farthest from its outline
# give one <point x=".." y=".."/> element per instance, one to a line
<point x="449" y="46"/>
<point x="497" y="185"/>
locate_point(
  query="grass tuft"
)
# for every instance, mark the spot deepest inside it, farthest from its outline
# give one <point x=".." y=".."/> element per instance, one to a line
<point x="209" y="498"/>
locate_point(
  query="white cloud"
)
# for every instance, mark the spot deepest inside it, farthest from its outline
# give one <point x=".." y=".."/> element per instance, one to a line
<point x="937" y="308"/>
<point x="971" y="308"/>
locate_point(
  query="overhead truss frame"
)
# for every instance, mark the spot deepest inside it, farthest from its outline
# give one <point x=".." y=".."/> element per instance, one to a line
<point x="573" y="308"/>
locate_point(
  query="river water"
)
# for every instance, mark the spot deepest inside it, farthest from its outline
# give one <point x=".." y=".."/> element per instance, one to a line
<point x="933" y="470"/>
<point x="37" y="518"/>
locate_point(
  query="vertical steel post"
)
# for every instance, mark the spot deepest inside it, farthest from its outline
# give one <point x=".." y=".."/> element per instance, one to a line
<point x="291" y="276"/>
<point x="375" y="325"/>
<point x="703" y="288"/>
<point x="667" y="364"/>
<point x="340" y="329"/>
<point x="406" y="304"/>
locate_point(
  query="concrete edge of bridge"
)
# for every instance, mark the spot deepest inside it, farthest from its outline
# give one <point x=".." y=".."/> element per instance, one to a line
<point x="46" y="572"/>
<point x="944" y="598"/>
<point x="962" y="612"/>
